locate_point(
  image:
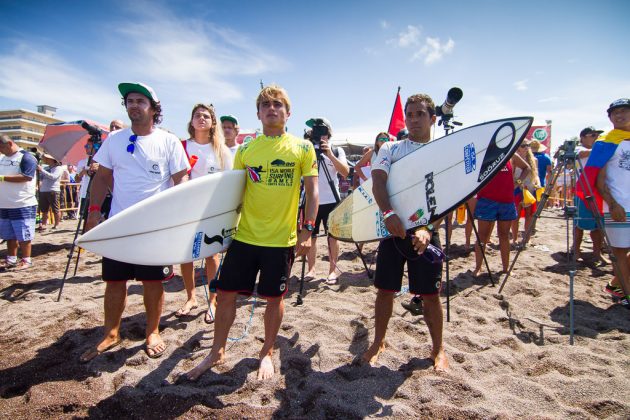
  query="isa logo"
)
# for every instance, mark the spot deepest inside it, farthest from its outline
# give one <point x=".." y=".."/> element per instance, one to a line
<point x="381" y="230"/>
<point x="470" y="158"/>
<point x="197" y="245"/>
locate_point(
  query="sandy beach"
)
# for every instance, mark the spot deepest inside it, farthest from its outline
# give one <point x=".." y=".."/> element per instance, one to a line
<point x="509" y="354"/>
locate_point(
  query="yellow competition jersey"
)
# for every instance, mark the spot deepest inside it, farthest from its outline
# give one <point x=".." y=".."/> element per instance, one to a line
<point x="274" y="166"/>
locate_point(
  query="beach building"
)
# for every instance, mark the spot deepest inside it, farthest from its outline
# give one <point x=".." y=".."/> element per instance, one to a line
<point x="25" y="127"/>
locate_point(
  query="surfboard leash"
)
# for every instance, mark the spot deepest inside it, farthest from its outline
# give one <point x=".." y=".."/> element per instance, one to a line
<point x="216" y="277"/>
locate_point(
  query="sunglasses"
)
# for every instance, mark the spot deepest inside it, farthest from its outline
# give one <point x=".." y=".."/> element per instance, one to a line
<point x="383" y="139"/>
<point x="132" y="146"/>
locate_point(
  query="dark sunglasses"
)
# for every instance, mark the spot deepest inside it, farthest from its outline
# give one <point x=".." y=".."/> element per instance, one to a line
<point x="132" y="146"/>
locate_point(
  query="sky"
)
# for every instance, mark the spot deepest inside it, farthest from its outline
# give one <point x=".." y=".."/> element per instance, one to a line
<point x="563" y="61"/>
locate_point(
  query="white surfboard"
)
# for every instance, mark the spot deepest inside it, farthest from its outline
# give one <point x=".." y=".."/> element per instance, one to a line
<point x="190" y="221"/>
<point x="435" y="179"/>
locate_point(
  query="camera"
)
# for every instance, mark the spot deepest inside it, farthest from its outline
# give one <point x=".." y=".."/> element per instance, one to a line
<point x="566" y="150"/>
<point x="95" y="135"/>
<point x="453" y="96"/>
<point x="319" y="127"/>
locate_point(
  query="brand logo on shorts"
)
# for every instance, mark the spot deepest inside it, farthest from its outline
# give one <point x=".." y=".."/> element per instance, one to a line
<point x="283" y="283"/>
<point x="166" y="271"/>
<point x="438" y="284"/>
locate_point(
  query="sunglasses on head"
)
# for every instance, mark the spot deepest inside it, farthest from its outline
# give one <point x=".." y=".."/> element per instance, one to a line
<point x="383" y="139"/>
<point x="132" y="146"/>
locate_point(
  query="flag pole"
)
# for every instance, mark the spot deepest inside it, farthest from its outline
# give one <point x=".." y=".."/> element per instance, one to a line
<point x="394" y="108"/>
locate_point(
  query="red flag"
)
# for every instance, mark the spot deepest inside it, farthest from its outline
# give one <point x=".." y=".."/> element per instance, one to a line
<point x="397" y="122"/>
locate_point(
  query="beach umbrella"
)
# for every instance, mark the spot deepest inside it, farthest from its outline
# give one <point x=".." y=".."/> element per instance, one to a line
<point x="65" y="141"/>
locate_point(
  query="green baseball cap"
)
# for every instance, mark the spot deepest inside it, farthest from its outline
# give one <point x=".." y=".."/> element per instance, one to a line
<point x="230" y="117"/>
<point x="137" y="87"/>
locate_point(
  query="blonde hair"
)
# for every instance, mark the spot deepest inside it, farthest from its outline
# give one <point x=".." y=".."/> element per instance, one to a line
<point x="271" y="92"/>
<point x="215" y="136"/>
<point x="533" y="164"/>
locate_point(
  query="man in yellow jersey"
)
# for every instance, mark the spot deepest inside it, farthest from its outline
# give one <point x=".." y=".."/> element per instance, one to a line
<point x="267" y="239"/>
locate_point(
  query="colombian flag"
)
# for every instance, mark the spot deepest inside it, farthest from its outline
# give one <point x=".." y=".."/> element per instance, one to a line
<point x="603" y="149"/>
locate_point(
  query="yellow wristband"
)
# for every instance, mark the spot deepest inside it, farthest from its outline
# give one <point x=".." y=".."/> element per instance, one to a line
<point x="1" y="178"/>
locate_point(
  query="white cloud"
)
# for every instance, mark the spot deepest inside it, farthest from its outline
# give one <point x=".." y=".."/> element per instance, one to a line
<point x="186" y="61"/>
<point x="32" y="75"/>
<point x="549" y="99"/>
<point x="521" y="85"/>
<point x="408" y="38"/>
<point x="433" y="51"/>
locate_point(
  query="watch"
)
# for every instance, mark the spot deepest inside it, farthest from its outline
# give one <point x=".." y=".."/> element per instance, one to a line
<point x="428" y="227"/>
<point x="309" y="225"/>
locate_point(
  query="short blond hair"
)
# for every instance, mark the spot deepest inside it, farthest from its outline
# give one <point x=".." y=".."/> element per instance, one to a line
<point x="271" y="92"/>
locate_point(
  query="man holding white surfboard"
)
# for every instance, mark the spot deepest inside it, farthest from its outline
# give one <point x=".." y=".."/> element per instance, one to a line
<point x="135" y="163"/>
<point x="267" y="234"/>
<point x="424" y="275"/>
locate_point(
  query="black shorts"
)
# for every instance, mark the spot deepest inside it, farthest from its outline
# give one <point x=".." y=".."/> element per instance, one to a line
<point x="48" y="200"/>
<point x="322" y="215"/>
<point x="114" y="270"/>
<point x="242" y="263"/>
<point x="425" y="278"/>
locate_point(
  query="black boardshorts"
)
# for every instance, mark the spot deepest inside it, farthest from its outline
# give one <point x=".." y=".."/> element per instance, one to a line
<point x="244" y="261"/>
<point x="425" y="278"/>
<point x="114" y="270"/>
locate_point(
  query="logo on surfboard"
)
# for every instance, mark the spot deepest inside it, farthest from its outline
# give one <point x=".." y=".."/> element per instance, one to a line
<point x="470" y="158"/>
<point x="505" y="135"/>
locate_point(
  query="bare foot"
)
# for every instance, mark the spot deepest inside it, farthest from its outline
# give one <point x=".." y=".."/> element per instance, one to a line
<point x="188" y="306"/>
<point x="440" y="361"/>
<point x="266" y="370"/>
<point x="107" y="344"/>
<point x="602" y="259"/>
<point x="476" y="272"/>
<point x="371" y="355"/>
<point x="209" y="362"/>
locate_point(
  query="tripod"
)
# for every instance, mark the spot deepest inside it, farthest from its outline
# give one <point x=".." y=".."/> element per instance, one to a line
<point x="567" y="159"/>
<point x="83" y="213"/>
<point x="321" y="163"/>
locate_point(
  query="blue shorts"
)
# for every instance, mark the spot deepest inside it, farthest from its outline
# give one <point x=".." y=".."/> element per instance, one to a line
<point x="490" y="211"/>
<point x="585" y="220"/>
<point x="18" y="224"/>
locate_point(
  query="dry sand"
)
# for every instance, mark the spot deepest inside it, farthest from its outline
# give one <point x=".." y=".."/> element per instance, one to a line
<point x="510" y="355"/>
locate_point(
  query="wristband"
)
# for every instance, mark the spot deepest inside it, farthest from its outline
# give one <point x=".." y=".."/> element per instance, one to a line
<point x="387" y="214"/>
<point x="1" y="178"/>
<point x="94" y="208"/>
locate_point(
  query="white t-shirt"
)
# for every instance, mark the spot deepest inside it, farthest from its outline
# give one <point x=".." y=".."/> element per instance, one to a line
<point x="391" y="152"/>
<point x="326" y="195"/>
<point x="207" y="161"/>
<point x="618" y="176"/>
<point x="144" y="173"/>
<point x="15" y="195"/>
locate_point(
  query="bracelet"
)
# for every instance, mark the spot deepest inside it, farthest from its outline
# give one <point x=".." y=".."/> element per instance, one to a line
<point x="94" y="208"/>
<point x="519" y="181"/>
<point x="387" y="214"/>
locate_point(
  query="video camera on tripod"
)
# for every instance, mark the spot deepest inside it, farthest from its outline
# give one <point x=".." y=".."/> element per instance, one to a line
<point x="445" y="111"/>
<point x="96" y="134"/>
<point x="566" y="150"/>
<point x="320" y="127"/>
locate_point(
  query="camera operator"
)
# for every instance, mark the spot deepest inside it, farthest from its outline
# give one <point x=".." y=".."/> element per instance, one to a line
<point x="335" y="164"/>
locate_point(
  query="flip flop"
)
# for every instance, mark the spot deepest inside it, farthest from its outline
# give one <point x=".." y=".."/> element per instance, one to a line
<point x="208" y="318"/>
<point x="182" y="312"/>
<point x="332" y="282"/>
<point x="91" y="354"/>
<point x="156" y="354"/>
